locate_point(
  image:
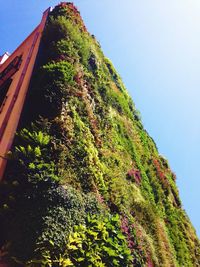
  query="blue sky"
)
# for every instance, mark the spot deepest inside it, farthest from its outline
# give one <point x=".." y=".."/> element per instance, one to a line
<point x="155" y="46"/>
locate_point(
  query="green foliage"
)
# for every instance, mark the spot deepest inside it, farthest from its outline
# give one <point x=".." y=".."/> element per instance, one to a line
<point x="99" y="243"/>
<point x="114" y="74"/>
<point x="59" y="73"/>
<point x="41" y="212"/>
<point x="33" y="158"/>
<point x="57" y="78"/>
<point x="36" y="138"/>
<point x="115" y="99"/>
<point x="68" y="39"/>
<point x="81" y="45"/>
<point x="75" y="163"/>
<point x="89" y="169"/>
<point x="66" y="48"/>
<point x="175" y="224"/>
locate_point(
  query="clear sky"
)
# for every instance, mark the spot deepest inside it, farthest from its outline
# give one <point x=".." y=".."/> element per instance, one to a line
<point x="155" y="46"/>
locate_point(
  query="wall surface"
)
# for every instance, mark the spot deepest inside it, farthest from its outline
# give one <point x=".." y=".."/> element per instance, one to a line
<point x="13" y="103"/>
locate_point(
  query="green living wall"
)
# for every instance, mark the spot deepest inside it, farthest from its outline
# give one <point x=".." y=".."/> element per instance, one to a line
<point x="85" y="184"/>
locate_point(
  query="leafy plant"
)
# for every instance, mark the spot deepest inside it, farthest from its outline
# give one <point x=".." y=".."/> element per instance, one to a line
<point x="98" y="243"/>
<point x="34" y="156"/>
<point x="89" y="153"/>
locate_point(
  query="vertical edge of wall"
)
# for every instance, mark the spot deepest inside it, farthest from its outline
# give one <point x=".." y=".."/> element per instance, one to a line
<point x="16" y="95"/>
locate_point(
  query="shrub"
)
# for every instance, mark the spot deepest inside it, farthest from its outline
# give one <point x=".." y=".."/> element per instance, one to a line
<point x="98" y="243"/>
<point x="43" y="213"/>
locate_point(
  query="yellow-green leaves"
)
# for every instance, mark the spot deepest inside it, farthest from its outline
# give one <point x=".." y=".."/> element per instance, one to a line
<point x="99" y="243"/>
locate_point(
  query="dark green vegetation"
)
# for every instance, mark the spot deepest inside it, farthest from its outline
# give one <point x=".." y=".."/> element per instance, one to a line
<point x="85" y="185"/>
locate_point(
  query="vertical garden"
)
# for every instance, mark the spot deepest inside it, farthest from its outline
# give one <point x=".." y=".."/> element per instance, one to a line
<point x="85" y="184"/>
